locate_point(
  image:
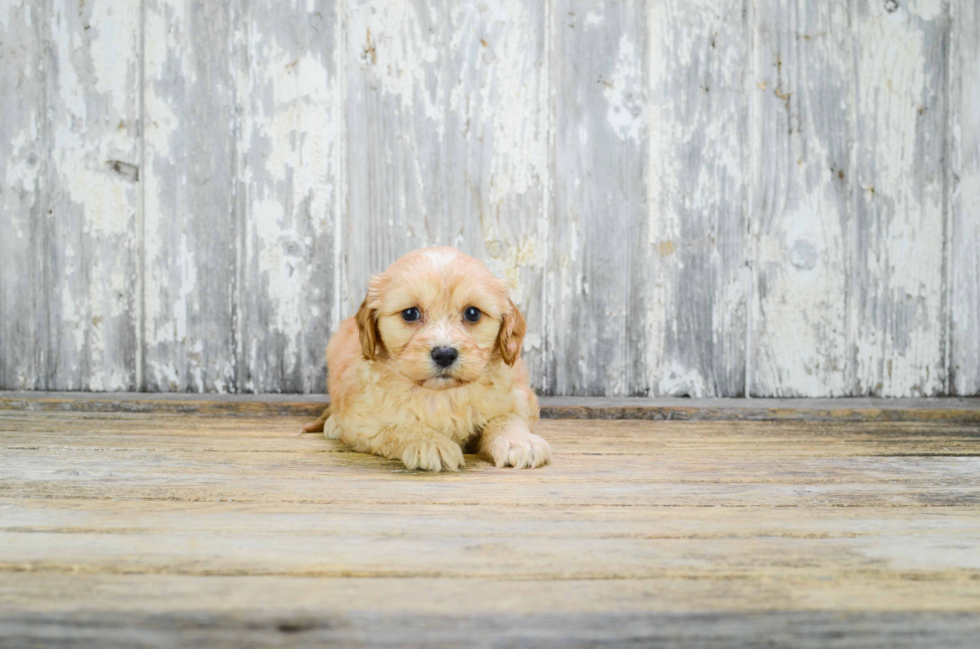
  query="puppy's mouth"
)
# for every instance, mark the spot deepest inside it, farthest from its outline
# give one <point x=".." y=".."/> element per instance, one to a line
<point x="442" y="381"/>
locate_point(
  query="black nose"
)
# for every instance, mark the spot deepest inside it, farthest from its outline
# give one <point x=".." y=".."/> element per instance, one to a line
<point x="444" y="356"/>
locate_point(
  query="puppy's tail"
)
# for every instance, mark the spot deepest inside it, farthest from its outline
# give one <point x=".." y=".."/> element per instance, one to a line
<point x="317" y="425"/>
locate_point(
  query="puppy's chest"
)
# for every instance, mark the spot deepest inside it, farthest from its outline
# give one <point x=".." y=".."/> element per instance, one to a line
<point x="459" y="413"/>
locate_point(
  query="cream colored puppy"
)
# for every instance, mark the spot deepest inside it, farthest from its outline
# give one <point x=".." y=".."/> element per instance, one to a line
<point x="430" y="363"/>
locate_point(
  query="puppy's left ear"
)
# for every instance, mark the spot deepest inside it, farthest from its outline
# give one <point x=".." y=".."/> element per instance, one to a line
<point x="367" y="329"/>
<point x="511" y="336"/>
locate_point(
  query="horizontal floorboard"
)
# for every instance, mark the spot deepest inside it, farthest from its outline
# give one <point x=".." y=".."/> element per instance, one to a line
<point x="155" y="528"/>
<point x="949" y="409"/>
<point x="276" y="611"/>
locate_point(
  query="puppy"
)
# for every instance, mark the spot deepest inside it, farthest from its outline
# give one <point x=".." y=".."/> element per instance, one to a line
<point x="430" y="363"/>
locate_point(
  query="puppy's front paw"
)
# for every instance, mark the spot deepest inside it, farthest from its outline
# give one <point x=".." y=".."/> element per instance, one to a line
<point x="331" y="429"/>
<point x="520" y="449"/>
<point x="433" y="455"/>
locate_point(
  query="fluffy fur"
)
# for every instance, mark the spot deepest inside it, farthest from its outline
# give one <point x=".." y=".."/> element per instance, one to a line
<point x="389" y="397"/>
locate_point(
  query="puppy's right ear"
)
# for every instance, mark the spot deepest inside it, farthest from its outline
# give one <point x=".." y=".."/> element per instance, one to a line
<point x="511" y="336"/>
<point x="367" y="327"/>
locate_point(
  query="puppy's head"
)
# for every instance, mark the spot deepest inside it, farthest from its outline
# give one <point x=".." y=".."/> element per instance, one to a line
<point x="439" y="318"/>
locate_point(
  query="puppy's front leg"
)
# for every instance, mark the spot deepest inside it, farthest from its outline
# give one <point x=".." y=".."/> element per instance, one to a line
<point x="508" y="441"/>
<point x="424" y="448"/>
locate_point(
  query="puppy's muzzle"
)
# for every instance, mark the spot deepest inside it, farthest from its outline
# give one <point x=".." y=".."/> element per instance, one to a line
<point x="444" y="356"/>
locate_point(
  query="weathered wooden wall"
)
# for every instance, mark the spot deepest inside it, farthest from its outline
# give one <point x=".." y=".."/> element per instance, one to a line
<point x="687" y="197"/>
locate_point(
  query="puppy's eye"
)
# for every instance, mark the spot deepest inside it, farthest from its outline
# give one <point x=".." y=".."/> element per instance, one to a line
<point x="472" y="314"/>
<point x="411" y="315"/>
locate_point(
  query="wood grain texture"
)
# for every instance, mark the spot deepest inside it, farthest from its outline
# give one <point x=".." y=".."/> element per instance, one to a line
<point x="193" y="220"/>
<point x="766" y="198"/>
<point x="857" y="199"/>
<point x="801" y="166"/>
<point x="91" y="243"/>
<point x="154" y="528"/>
<point x="70" y="281"/>
<point x="950" y="410"/>
<point x="23" y="196"/>
<point x="697" y="282"/>
<point x="896" y="286"/>
<point x="448" y="142"/>
<point x="335" y="613"/>
<point x="290" y="152"/>
<point x="596" y="274"/>
<point x="963" y="245"/>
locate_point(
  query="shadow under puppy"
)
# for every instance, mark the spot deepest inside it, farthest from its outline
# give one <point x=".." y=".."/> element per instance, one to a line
<point x="430" y="364"/>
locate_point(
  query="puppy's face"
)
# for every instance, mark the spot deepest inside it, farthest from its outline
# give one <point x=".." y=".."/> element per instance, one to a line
<point x="439" y="318"/>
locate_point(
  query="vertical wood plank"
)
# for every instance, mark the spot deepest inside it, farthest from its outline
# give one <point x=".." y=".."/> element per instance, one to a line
<point x="698" y="281"/>
<point x="88" y="248"/>
<point x="447" y="121"/>
<point x="897" y="266"/>
<point x="636" y="218"/>
<point x="290" y="148"/>
<point x="93" y="102"/>
<point x="192" y="217"/>
<point x="23" y="164"/>
<point x="801" y="165"/>
<point x="964" y="186"/>
<point x="598" y="229"/>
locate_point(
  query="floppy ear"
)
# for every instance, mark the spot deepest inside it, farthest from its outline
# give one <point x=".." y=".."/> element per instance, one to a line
<point x="367" y="328"/>
<point x="511" y="336"/>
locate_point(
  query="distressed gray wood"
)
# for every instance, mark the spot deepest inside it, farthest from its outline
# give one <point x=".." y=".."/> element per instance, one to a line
<point x="943" y="410"/>
<point x="801" y="164"/>
<point x="896" y="270"/>
<point x="23" y="195"/>
<point x="446" y="110"/>
<point x="290" y="149"/>
<point x="698" y="280"/>
<point x="686" y="198"/>
<point x="849" y="293"/>
<point x="259" y="628"/>
<point x="192" y="195"/>
<point x="91" y="241"/>
<point x="70" y="282"/>
<point x="598" y="225"/>
<point x="963" y="186"/>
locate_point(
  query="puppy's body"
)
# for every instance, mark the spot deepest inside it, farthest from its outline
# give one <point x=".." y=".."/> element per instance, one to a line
<point x="373" y="410"/>
<point x="393" y="395"/>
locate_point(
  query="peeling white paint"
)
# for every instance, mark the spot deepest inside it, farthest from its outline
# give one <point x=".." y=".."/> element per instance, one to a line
<point x="21" y="171"/>
<point x="106" y="202"/>
<point x="799" y="311"/>
<point x="902" y="354"/>
<point x="678" y="381"/>
<point x="291" y="119"/>
<point x="391" y="41"/>
<point x="594" y="18"/>
<point x="926" y="9"/>
<point x="90" y="132"/>
<point x="472" y="86"/>
<point x="532" y="341"/>
<point x="509" y="261"/>
<point x="662" y="226"/>
<point x="519" y="152"/>
<point x="963" y="269"/>
<point x="804" y="332"/>
<point x="625" y="93"/>
<point x="115" y="40"/>
<point x="170" y="274"/>
<point x="696" y="160"/>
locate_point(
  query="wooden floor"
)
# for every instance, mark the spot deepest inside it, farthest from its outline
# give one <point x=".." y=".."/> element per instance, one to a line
<point x="152" y="529"/>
